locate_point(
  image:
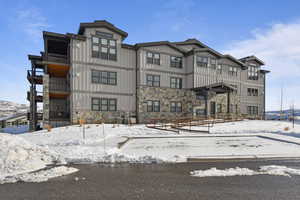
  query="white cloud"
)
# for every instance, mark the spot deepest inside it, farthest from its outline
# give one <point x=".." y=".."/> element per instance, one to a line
<point x="279" y="47"/>
<point x="176" y="16"/>
<point x="32" y="22"/>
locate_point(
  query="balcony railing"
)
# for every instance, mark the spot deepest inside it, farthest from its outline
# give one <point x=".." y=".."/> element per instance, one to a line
<point x="57" y="58"/>
<point x="39" y="116"/>
<point x="59" y="85"/>
<point x="38" y="96"/>
<point x="35" y="76"/>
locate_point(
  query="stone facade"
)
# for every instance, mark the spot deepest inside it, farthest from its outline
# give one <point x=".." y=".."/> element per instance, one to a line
<point x="99" y="116"/>
<point x="46" y="101"/>
<point x="189" y="101"/>
<point x="166" y="96"/>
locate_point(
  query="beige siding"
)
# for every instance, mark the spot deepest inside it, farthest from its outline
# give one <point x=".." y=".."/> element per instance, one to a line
<point x="82" y="101"/>
<point x="82" y="65"/>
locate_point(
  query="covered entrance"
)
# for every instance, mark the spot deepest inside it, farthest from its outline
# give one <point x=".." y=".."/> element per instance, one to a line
<point x="211" y="91"/>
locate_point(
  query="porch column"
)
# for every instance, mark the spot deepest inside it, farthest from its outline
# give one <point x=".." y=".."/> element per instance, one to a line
<point x="228" y="102"/>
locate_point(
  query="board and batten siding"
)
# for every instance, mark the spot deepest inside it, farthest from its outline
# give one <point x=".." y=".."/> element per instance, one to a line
<point x="82" y="64"/>
<point x="164" y="70"/>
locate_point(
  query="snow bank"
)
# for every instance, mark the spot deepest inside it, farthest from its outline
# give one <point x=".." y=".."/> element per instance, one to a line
<point x="18" y="156"/>
<point x="40" y="176"/>
<point x="253" y="126"/>
<point x="237" y="171"/>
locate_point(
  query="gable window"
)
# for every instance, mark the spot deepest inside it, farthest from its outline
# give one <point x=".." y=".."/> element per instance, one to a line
<point x="202" y="61"/>
<point x="232" y="71"/>
<point x="176" y="62"/>
<point x="252" y="92"/>
<point x="104" y="34"/>
<point x="153" y="106"/>
<point x="252" y="73"/>
<point x="104" y="77"/>
<point x="213" y="63"/>
<point x="176" y="107"/>
<point x="104" y="48"/>
<point x="153" y="80"/>
<point x="176" y="82"/>
<point x="104" y="104"/>
<point x="153" y="58"/>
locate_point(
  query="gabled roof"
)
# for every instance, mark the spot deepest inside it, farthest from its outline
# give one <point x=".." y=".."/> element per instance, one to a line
<point x="218" y="87"/>
<point x="235" y="60"/>
<point x="149" y="44"/>
<point x="191" y="41"/>
<point x="100" y="24"/>
<point x="248" y="58"/>
<point x="208" y="50"/>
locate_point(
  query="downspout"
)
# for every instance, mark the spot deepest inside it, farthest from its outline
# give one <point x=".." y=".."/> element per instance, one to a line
<point x="136" y="85"/>
<point x="264" y="115"/>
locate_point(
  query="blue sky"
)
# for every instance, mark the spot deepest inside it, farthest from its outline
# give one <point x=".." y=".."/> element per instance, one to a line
<point x="268" y="29"/>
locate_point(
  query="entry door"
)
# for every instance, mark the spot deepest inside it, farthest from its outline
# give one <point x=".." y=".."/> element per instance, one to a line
<point x="212" y="107"/>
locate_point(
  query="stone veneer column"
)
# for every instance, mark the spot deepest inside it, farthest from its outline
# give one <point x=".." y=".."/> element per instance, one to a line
<point x="46" y="101"/>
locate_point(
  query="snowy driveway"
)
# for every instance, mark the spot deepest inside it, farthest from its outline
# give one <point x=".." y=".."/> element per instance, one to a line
<point x="177" y="148"/>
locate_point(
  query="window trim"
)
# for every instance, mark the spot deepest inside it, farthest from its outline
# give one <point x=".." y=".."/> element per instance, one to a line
<point x="100" y="77"/>
<point x="151" y="108"/>
<point x="151" y="60"/>
<point x="153" y="80"/>
<point x="180" y="83"/>
<point x="174" y="64"/>
<point x="200" y="63"/>
<point x="102" y="55"/>
<point x="176" y="108"/>
<point x="100" y="104"/>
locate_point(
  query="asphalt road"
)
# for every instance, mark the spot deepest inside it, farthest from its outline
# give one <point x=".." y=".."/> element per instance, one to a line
<point x="159" y="181"/>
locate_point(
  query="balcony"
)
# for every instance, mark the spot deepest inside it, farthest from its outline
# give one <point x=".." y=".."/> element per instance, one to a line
<point x="35" y="77"/>
<point x="38" y="96"/>
<point x="57" y="58"/>
<point x="39" y="116"/>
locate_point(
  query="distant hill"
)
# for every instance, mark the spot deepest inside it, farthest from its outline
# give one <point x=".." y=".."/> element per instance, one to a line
<point x="286" y="114"/>
<point x="8" y="108"/>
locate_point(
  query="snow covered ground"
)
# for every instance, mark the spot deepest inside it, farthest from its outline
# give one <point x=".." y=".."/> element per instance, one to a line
<point x="237" y="171"/>
<point x="253" y="126"/>
<point x="110" y="143"/>
<point x="19" y="157"/>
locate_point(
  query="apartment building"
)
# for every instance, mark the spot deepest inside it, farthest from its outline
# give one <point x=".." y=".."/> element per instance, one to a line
<point x="93" y="75"/>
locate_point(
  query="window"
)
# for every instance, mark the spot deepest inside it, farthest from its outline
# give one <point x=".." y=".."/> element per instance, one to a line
<point x="233" y="71"/>
<point x="153" y="106"/>
<point x="176" y="107"/>
<point x="219" y="108"/>
<point x="104" y="48"/>
<point x="153" y="80"/>
<point x="252" y="110"/>
<point x="202" y="61"/>
<point x="104" y="77"/>
<point x="104" y="104"/>
<point x="176" y="82"/>
<point x="219" y="69"/>
<point x="252" y="73"/>
<point x="153" y="58"/>
<point x="213" y="63"/>
<point x="176" y="62"/>
<point x="252" y="92"/>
